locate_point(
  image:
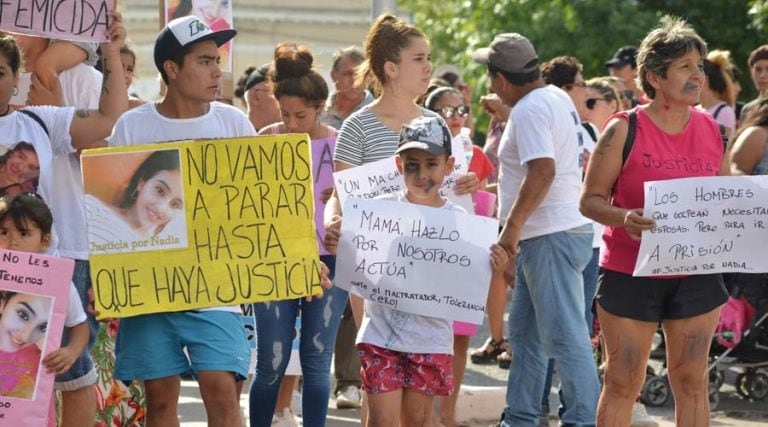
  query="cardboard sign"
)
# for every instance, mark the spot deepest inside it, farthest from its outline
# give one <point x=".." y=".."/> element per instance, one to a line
<point x="381" y="177"/>
<point x="34" y="292"/>
<point x="704" y="226"/>
<point x="412" y="258"/>
<point x="228" y="221"/>
<point x="78" y="20"/>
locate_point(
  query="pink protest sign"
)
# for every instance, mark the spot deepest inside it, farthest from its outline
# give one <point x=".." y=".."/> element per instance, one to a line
<point x="33" y="306"/>
<point x="80" y="20"/>
<point x="322" y="174"/>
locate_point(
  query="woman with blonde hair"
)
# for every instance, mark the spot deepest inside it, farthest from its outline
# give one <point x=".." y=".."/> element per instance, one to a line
<point x="717" y="95"/>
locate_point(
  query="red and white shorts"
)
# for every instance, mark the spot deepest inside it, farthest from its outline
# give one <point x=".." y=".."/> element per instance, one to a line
<point x="384" y="370"/>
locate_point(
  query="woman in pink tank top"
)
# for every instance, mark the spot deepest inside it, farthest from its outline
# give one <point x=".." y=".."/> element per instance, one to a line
<point x="671" y="140"/>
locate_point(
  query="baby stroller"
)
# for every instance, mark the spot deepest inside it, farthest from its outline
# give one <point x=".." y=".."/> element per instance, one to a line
<point x="741" y="342"/>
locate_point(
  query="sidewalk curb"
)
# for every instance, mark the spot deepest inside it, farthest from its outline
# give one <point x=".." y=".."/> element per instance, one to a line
<point x="480" y="404"/>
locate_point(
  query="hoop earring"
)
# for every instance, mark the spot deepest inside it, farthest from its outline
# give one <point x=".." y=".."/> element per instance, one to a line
<point x="15" y="90"/>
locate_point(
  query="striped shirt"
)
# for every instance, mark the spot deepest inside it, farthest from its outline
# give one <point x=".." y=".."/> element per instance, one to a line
<point x="364" y="138"/>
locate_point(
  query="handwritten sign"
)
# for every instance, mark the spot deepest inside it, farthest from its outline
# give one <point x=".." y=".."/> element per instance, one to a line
<point x="322" y="172"/>
<point x="382" y="177"/>
<point x="705" y="225"/>
<point x="248" y="212"/>
<point x="33" y="288"/>
<point x="412" y="258"/>
<point x="79" y="20"/>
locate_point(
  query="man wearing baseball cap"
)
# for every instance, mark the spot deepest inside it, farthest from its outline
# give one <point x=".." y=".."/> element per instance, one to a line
<point x="624" y="66"/>
<point x="539" y="186"/>
<point x="151" y="347"/>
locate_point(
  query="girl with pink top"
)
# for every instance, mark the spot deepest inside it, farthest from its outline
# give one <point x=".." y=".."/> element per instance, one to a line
<point x="672" y="140"/>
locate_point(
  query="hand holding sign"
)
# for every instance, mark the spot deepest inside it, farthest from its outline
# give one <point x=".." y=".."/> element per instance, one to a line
<point x="635" y="223"/>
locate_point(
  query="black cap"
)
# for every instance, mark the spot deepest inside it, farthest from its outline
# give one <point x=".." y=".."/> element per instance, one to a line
<point x="182" y="32"/>
<point x="428" y="133"/>
<point x="626" y="55"/>
<point x="257" y="76"/>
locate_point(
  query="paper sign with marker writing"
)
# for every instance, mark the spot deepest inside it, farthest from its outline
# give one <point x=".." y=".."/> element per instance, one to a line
<point x="417" y="259"/>
<point x="78" y="20"/>
<point x="34" y="291"/>
<point x="381" y="177"/>
<point x="705" y="225"/>
<point x="187" y="225"/>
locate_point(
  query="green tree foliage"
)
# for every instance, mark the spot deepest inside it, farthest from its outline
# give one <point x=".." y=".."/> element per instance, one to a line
<point x="590" y="30"/>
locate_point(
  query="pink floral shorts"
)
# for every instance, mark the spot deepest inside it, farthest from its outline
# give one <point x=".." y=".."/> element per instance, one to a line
<point x="384" y="370"/>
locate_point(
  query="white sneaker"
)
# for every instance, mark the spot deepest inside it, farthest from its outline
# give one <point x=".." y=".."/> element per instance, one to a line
<point x="640" y="417"/>
<point x="296" y="402"/>
<point x="286" y="419"/>
<point x="349" y="398"/>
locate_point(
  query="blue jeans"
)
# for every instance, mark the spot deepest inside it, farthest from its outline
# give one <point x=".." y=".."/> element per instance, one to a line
<point x="547" y="320"/>
<point x="275" y="331"/>
<point x="590" y="287"/>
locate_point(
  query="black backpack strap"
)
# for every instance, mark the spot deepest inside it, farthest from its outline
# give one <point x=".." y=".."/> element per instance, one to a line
<point x="631" y="130"/>
<point x="35" y="117"/>
<point x="723" y="136"/>
<point x="718" y="109"/>
<point x="590" y="130"/>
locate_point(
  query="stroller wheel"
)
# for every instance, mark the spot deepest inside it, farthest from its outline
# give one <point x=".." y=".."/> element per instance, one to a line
<point x="714" y="397"/>
<point x="757" y="385"/>
<point x="655" y="392"/>
<point x="716" y="378"/>
<point x="741" y="386"/>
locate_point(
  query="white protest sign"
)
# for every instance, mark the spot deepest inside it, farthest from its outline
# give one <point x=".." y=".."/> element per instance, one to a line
<point x="381" y="177"/>
<point x="412" y="258"/>
<point x="705" y="225"/>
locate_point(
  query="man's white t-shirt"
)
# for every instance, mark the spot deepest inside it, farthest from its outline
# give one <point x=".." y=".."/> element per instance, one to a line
<point x="81" y="89"/>
<point x="405" y="332"/>
<point x="145" y="125"/>
<point x="543" y="124"/>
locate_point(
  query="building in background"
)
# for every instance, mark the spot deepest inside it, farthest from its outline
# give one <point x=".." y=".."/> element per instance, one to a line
<point x="261" y="24"/>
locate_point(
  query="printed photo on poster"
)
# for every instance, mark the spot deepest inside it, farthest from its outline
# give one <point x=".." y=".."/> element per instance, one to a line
<point x="24" y="322"/>
<point x="216" y="14"/>
<point x="134" y="202"/>
<point x="19" y="169"/>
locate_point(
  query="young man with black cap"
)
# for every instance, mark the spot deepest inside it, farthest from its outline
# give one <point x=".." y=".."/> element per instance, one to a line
<point x="624" y="66"/>
<point x="151" y="347"/>
<point x="539" y="188"/>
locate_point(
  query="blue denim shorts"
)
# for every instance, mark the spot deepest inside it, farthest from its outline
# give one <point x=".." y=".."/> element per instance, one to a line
<point x="152" y="346"/>
<point x="82" y="373"/>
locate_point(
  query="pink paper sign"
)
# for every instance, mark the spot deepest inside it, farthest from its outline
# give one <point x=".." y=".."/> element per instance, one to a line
<point x="33" y="305"/>
<point x="80" y="20"/>
<point x="322" y="173"/>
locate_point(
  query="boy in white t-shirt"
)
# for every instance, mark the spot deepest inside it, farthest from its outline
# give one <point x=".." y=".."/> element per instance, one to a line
<point x="406" y="358"/>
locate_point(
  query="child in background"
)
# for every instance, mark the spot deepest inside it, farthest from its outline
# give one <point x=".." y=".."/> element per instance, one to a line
<point x="25" y="226"/>
<point x="407" y="358"/>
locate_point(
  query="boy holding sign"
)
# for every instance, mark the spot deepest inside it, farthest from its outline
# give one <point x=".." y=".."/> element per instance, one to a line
<point x="406" y="358"/>
<point x="150" y="347"/>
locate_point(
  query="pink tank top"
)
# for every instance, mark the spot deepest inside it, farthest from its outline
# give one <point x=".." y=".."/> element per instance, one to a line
<point x="656" y="156"/>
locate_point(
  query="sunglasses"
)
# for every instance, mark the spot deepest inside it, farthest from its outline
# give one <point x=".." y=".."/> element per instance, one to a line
<point x="591" y="102"/>
<point x="448" y="111"/>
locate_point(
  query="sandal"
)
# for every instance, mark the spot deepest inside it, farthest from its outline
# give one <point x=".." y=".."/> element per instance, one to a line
<point x="489" y="351"/>
<point x="504" y="359"/>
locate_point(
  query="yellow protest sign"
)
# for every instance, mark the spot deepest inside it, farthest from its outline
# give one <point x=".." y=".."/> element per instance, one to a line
<point x="194" y="224"/>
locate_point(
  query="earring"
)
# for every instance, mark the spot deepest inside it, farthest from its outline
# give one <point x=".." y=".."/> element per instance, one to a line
<point x="15" y="90"/>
